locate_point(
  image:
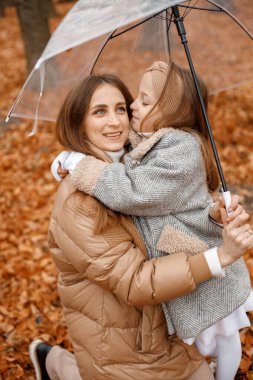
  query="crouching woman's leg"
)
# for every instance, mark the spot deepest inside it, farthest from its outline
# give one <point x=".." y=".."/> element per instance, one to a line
<point x="203" y="372"/>
<point x="61" y="365"/>
<point x="53" y="362"/>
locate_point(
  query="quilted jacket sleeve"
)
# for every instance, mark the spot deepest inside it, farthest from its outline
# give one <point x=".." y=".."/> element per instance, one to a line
<point x="166" y="182"/>
<point x="112" y="261"/>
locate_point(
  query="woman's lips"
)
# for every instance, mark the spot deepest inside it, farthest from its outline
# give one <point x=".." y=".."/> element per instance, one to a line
<point x="113" y="135"/>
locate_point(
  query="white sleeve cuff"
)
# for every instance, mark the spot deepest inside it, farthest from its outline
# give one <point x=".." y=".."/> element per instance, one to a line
<point x="59" y="159"/>
<point x="72" y="160"/>
<point x="212" y="258"/>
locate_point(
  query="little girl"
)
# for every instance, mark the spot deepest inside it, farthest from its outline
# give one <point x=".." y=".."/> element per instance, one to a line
<point x="165" y="184"/>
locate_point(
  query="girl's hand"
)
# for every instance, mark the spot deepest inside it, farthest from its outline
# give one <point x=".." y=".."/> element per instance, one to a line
<point x="235" y="209"/>
<point x="237" y="238"/>
<point x="219" y="213"/>
<point x="64" y="163"/>
<point x="62" y="172"/>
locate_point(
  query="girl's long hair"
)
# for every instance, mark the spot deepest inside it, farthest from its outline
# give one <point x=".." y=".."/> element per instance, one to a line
<point x="180" y="108"/>
<point x="70" y="130"/>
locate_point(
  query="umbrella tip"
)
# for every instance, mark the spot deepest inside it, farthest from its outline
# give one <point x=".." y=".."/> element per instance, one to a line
<point x="35" y="127"/>
<point x="37" y="65"/>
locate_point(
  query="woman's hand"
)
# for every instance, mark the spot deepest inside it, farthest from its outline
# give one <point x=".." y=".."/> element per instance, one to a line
<point x="219" y="213"/>
<point x="237" y="238"/>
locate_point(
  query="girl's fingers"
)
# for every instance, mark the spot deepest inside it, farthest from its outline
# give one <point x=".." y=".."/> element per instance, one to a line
<point x="234" y="209"/>
<point x="221" y="201"/>
<point x="224" y="216"/>
<point x="63" y="173"/>
<point x="239" y="209"/>
<point x="234" y="202"/>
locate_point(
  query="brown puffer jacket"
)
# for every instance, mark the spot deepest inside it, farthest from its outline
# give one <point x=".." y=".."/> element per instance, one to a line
<point x="111" y="293"/>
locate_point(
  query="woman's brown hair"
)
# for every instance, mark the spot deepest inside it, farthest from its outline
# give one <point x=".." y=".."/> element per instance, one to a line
<point x="180" y="108"/>
<point x="70" y="121"/>
<point x="70" y="127"/>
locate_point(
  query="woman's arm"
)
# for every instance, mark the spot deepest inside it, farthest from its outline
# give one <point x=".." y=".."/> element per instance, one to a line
<point x="118" y="266"/>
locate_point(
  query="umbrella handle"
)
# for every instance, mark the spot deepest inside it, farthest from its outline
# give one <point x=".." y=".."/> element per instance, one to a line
<point x="227" y="199"/>
<point x="182" y="33"/>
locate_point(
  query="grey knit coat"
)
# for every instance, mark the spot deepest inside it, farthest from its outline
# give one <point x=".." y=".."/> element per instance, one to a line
<point x="162" y="185"/>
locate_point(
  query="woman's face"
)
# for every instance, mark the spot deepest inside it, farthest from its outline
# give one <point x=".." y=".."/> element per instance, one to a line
<point x="143" y="104"/>
<point x="106" y="124"/>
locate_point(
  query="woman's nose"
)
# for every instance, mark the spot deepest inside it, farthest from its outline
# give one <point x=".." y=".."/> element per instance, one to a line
<point x="113" y="119"/>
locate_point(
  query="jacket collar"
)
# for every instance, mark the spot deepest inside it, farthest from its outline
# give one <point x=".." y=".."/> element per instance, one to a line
<point x="141" y="145"/>
<point x="100" y="153"/>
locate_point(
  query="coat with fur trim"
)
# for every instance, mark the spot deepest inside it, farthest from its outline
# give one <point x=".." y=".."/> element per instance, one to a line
<point x="111" y="294"/>
<point x="162" y="184"/>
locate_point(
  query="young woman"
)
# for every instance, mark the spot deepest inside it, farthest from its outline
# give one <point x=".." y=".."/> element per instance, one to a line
<point x="110" y="291"/>
<point x="165" y="184"/>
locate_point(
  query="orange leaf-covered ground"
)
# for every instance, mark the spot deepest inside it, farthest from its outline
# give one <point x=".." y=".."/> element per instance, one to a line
<point x="30" y="305"/>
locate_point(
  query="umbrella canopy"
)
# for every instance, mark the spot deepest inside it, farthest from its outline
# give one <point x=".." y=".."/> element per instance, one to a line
<point x="91" y="38"/>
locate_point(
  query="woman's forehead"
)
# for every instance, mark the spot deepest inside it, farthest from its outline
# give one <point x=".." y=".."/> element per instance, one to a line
<point x="106" y="94"/>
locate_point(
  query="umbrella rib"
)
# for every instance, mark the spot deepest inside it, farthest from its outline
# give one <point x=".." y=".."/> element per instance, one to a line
<point x="190" y="7"/>
<point x="138" y="24"/>
<point x="101" y="50"/>
<point x="131" y="27"/>
<point x="168" y="24"/>
<point x="219" y="10"/>
<point x="187" y="11"/>
<point x="232" y="17"/>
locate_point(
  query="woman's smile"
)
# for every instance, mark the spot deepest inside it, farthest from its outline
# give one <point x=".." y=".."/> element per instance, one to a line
<point x="106" y="125"/>
<point x="113" y="135"/>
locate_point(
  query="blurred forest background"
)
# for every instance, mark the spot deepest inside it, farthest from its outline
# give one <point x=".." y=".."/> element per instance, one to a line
<point x="29" y="303"/>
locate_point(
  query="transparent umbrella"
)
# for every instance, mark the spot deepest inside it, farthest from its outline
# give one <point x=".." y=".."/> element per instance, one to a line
<point x="89" y="40"/>
<point x="124" y="37"/>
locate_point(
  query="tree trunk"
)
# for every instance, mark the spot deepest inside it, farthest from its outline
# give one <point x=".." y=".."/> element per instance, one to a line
<point x="33" y="18"/>
<point x="4" y="4"/>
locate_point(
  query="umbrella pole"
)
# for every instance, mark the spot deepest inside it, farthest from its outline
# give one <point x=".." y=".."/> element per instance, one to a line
<point x="182" y="34"/>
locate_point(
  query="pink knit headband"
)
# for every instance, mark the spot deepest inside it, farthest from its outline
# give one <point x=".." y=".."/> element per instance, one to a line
<point x="159" y="71"/>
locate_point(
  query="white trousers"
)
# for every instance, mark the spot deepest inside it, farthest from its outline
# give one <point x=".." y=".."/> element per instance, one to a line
<point x="227" y="350"/>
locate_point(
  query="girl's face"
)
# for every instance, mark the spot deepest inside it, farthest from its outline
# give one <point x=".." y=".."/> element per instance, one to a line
<point x="106" y="124"/>
<point x="143" y="104"/>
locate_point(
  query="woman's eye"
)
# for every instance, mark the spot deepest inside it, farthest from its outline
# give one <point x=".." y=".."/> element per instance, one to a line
<point x="99" y="112"/>
<point x="144" y="104"/>
<point x="121" y="109"/>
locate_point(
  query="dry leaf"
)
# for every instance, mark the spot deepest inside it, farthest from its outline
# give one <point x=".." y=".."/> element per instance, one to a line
<point x="30" y="306"/>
